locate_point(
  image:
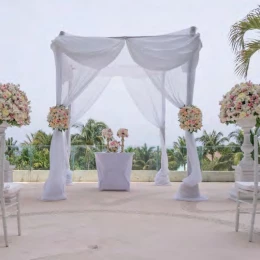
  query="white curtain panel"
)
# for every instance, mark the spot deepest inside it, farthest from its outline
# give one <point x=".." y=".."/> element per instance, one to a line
<point x="84" y="66"/>
<point x="151" y="103"/>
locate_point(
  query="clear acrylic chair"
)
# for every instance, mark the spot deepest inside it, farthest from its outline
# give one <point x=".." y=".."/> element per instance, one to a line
<point x="252" y="188"/>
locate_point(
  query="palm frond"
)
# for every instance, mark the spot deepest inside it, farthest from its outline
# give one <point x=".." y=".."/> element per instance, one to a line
<point x="78" y="126"/>
<point x="243" y="57"/>
<point x="239" y="29"/>
<point x="244" y="50"/>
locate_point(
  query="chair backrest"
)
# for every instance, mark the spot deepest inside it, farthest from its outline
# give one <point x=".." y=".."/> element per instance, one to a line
<point x="256" y="166"/>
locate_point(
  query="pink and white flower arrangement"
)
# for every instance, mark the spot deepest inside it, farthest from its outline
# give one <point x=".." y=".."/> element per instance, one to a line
<point x="122" y="132"/>
<point x="14" y="105"/>
<point x="242" y="101"/>
<point x="58" y="118"/>
<point x="107" y="133"/>
<point x="114" y="145"/>
<point x="190" y="118"/>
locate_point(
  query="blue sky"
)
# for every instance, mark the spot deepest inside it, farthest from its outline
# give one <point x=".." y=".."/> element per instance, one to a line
<point x="28" y="27"/>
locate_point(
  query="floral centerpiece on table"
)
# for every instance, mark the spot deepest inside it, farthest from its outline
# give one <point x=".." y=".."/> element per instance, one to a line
<point x="107" y="133"/>
<point x="122" y="133"/>
<point x="14" y="105"/>
<point x="190" y="118"/>
<point x="242" y="101"/>
<point x="58" y="118"/>
<point x="114" y="145"/>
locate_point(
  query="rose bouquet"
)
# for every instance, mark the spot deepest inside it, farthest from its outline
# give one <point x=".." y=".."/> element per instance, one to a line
<point x="107" y="133"/>
<point x="190" y="118"/>
<point x="114" y="145"/>
<point x="58" y="118"/>
<point x="122" y="133"/>
<point x="14" y="105"/>
<point x="242" y="101"/>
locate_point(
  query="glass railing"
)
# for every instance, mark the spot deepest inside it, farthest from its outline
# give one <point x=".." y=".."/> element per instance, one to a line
<point x="219" y="158"/>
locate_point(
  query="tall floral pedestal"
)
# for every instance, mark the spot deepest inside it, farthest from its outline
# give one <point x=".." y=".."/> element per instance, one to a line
<point x="8" y="171"/>
<point x="245" y="170"/>
<point x="3" y="127"/>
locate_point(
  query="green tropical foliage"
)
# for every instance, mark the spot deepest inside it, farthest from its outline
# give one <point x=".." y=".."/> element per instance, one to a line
<point x="25" y="159"/>
<point x="89" y="133"/>
<point x="35" y="152"/>
<point x="238" y="136"/>
<point x="145" y="158"/>
<point x="212" y="142"/>
<point x="217" y="152"/>
<point x="180" y="151"/>
<point x="88" y="141"/>
<point x="40" y="138"/>
<point x="174" y="164"/>
<point x="29" y="139"/>
<point x="219" y="156"/>
<point x="11" y="150"/>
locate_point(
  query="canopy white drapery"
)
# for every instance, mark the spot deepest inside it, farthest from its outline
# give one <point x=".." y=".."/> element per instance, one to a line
<point x="158" y="68"/>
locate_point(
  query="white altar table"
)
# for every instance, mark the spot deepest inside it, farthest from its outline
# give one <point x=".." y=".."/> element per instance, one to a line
<point x="114" y="170"/>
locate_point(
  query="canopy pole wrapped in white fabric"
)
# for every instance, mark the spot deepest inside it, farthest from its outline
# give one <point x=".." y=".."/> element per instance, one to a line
<point x="54" y="186"/>
<point x="189" y="189"/>
<point x="158" y="67"/>
<point x="68" y="143"/>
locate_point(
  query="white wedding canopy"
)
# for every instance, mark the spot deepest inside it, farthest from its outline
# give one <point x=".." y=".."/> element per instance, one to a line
<point x="154" y="68"/>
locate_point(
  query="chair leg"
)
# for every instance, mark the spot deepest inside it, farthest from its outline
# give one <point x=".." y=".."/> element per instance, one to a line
<point x="18" y="214"/>
<point x="4" y="222"/>
<point x="253" y="218"/>
<point x="237" y="212"/>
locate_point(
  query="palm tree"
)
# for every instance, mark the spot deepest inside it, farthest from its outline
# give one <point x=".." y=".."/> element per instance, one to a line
<point x="244" y="50"/>
<point x="40" y="138"/>
<point x="173" y="162"/>
<point x="130" y="149"/>
<point x="40" y="158"/>
<point x="83" y="157"/>
<point x="90" y="135"/>
<point x="213" y="142"/>
<point x="144" y="158"/>
<point x="25" y="159"/>
<point x="35" y="151"/>
<point x="11" y="149"/>
<point x="230" y="156"/>
<point x="29" y="140"/>
<point x="180" y="151"/>
<point x="238" y="136"/>
<point x="201" y="153"/>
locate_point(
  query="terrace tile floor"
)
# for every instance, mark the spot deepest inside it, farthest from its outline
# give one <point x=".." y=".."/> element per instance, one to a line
<point x="145" y="223"/>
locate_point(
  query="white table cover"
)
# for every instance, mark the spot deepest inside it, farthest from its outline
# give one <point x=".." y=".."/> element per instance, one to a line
<point x="114" y="170"/>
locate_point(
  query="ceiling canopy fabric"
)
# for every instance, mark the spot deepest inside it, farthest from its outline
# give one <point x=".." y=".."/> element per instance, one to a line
<point x="159" y="53"/>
